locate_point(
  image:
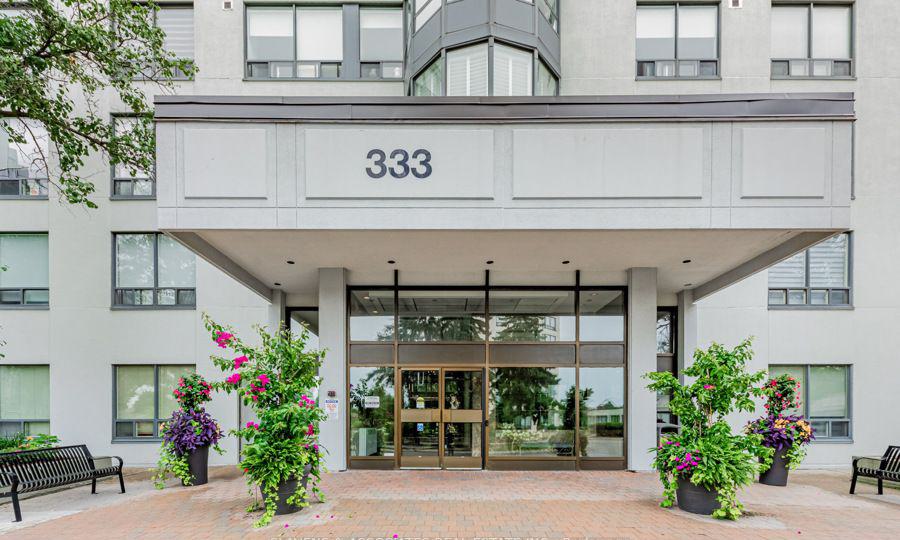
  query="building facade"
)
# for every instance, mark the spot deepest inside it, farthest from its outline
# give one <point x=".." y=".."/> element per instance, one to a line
<point x="496" y="215"/>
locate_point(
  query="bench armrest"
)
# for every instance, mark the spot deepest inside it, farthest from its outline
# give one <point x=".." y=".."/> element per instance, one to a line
<point x="13" y="480"/>
<point x="869" y="462"/>
<point x="121" y="463"/>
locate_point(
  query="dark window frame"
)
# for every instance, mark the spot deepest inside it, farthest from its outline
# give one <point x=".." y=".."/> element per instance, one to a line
<point x="10" y="176"/>
<point x="829" y="419"/>
<point x="115" y="305"/>
<point x="114" y="179"/>
<point x="21" y="304"/>
<point x="810" y="58"/>
<point x="172" y="4"/>
<point x="22" y="422"/>
<point x="156" y="421"/>
<point x="807" y="289"/>
<point x="676" y="60"/>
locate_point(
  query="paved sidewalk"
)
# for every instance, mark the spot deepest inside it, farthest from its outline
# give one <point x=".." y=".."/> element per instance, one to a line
<point x="428" y="504"/>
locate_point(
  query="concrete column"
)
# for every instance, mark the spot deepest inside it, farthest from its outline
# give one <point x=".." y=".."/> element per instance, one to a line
<point x="641" y="411"/>
<point x="688" y="330"/>
<point x="333" y="338"/>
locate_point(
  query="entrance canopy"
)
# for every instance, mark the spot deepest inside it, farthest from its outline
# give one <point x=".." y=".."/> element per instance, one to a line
<point x="708" y="189"/>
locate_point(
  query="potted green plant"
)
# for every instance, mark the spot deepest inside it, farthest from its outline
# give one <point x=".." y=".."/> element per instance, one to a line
<point x="704" y="464"/>
<point x="786" y="434"/>
<point x="188" y="435"/>
<point x="281" y="455"/>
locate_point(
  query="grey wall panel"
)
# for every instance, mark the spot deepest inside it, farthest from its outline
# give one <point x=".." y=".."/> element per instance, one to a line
<point x="783" y="161"/>
<point x="465" y="14"/>
<point x="550" y="39"/>
<point x="426" y="354"/>
<point x="425" y="38"/>
<point x="230" y="162"/>
<point x="365" y="354"/>
<point x="603" y="354"/>
<point x="510" y="354"/>
<point x="515" y="14"/>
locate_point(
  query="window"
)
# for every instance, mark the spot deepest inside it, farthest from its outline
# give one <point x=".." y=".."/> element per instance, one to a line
<point x="602" y="411"/>
<point x="424" y="10"/>
<point x="26" y="281"/>
<point x="665" y="361"/>
<point x="523" y="315"/>
<point x="677" y="40"/>
<point x="467" y="71"/>
<point x="143" y="398"/>
<point x="24" y="400"/>
<point x="602" y="315"/>
<point x="178" y="24"/>
<point x="532" y="411"/>
<point x="441" y="316"/>
<point x="825" y="397"/>
<point x="547" y="82"/>
<point x="153" y="270"/>
<point x="372" y="315"/>
<point x="294" y="42"/>
<point x="381" y="43"/>
<point x="129" y="182"/>
<point x="371" y="411"/>
<point x="430" y="81"/>
<point x="513" y="69"/>
<point x="270" y="42"/>
<point x="819" y="276"/>
<point x="24" y="148"/>
<point x="812" y="40"/>
<point x="320" y="42"/>
<point x="550" y="10"/>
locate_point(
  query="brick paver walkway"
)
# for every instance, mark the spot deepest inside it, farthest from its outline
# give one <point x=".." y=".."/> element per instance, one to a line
<point x="429" y="504"/>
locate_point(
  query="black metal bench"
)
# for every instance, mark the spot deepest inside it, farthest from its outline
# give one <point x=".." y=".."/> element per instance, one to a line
<point x="887" y="467"/>
<point x="34" y="470"/>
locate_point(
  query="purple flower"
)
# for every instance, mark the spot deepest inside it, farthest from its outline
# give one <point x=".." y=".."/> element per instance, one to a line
<point x="190" y="430"/>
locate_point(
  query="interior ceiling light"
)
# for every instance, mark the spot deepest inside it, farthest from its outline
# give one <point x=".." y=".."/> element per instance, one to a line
<point x="392" y="261"/>
<point x="566" y="261"/>
<point x="290" y="262"/>
<point x="686" y="261"/>
<point x="277" y="284"/>
<point x="489" y="262"/>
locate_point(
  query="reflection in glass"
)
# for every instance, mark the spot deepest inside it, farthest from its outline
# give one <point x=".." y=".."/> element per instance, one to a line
<point x="372" y="315"/>
<point x="420" y="389"/>
<point x="602" y="411"/>
<point x="663" y="332"/>
<point x="441" y="316"/>
<point x="462" y="390"/>
<point x="532" y="411"/>
<point x="532" y="315"/>
<point x="602" y="315"/>
<point x="462" y="439"/>
<point x="371" y="411"/>
<point x="420" y="438"/>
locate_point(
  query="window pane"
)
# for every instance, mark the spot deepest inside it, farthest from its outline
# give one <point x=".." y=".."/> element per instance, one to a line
<point x="124" y="125"/>
<point x="424" y="10"/>
<point x="664" y="332"/>
<point x="134" y="392"/>
<point x="831" y="32"/>
<point x="532" y="411"/>
<point x="602" y="412"/>
<point x="134" y="260"/>
<point x="24" y="392"/>
<point x="168" y="382"/>
<point x="655" y="32"/>
<point x="532" y="315"/>
<point x="320" y="34"/>
<point x="270" y="33"/>
<point x="799" y="374"/>
<point x="512" y="71"/>
<point x="176" y="264"/>
<point x="828" y="262"/>
<point x="372" y="315"/>
<point x="789" y="273"/>
<point x="467" y="72"/>
<point x="25" y="159"/>
<point x="602" y="316"/>
<point x="790" y="32"/>
<point x="547" y="84"/>
<point x="697" y="31"/>
<point x="429" y="82"/>
<point x="420" y="389"/>
<point x="178" y="24"/>
<point x="371" y="411"/>
<point x="26" y="259"/>
<point x="442" y="316"/>
<point x="828" y="391"/>
<point x="380" y="34"/>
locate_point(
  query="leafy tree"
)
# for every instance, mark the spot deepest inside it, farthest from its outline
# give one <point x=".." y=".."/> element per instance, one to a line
<point x="57" y="57"/>
<point x="524" y="392"/>
<point x="520" y="328"/>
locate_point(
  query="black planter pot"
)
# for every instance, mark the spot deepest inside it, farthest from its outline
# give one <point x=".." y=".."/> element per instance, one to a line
<point x="696" y="499"/>
<point x="198" y="461"/>
<point x="286" y="490"/>
<point x="777" y="475"/>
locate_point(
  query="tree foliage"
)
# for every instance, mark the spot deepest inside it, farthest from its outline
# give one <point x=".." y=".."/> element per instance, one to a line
<point x="57" y="58"/>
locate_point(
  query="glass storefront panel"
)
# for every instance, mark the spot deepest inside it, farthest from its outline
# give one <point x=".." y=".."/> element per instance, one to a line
<point x="532" y="411"/>
<point x="532" y="315"/>
<point x="446" y="316"/>
<point x="602" y="315"/>
<point x="462" y="390"/>
<point x="462" y="439"/>
<point x="420" y="389"/>
<point x="372" y="315"/>
<point x="371" y="411"/>
<point x="602" y="411"/>
<point x="420" y="439"/>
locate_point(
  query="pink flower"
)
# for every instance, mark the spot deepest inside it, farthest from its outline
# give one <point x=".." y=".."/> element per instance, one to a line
<point x="310" y="429"/>
<point x="222" y="338"/>
<point x="708" y="387"/>
<point x="263" y="379"/>
<point x="234" y="379"/>
<point x="316" y="447"/>
<point x="253" y="425"/>
<point x="239" y="361"/>
<point x="255" y="398"/>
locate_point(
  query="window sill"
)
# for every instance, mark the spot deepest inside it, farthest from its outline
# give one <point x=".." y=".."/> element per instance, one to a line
<point x="23" y="198"/>
<point x="811" y="78"/>
<point x="135" y="440"/>
<point x="116" y="307"/>
<point x="26" y="307"/>
<point x="317" y="79"/>
<point x="807" y="307"/>
<point x="698" y="78"/>
<point x="833" y="441"/>
<point x="132" y="197"/>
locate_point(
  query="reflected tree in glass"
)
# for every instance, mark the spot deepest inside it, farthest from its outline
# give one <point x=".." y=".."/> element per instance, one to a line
<point x="372" y="428"/>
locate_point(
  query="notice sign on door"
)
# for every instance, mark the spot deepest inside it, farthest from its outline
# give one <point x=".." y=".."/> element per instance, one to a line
<point x="420" y="402"/>
<point x="332" y="408"/>
<point x="371" y="402"/>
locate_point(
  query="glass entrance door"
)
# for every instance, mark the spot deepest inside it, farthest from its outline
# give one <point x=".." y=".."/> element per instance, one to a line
<point x="442" y="418"/>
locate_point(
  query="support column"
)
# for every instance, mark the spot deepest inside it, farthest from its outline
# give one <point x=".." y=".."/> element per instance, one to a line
<point x="688" y="330"/>
<point x="641" y="411"/>
<point x="333" y="338"/>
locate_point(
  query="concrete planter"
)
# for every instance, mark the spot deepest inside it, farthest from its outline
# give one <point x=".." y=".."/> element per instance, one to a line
<point x="777" y="475"/>
<point x="696" y="499"/>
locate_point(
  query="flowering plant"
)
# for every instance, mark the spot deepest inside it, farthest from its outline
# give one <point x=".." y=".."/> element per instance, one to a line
<point x="275" y="379"/>
<point x="787" y="434"/>
<point x="20" y="442"/>
<point x="705" y="452"/>
<point x="189" y="428"/>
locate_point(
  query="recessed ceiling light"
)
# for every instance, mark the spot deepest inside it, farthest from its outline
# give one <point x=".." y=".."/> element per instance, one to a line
<point x="688" y="284"/>
<point x="277" y="284"/>
<point x="686" y="261"/>
<point x="392" y="261"/>
<point x="374" y="311"/>
<point x="566" y="262"/>
<point x="366" y="297"/>
<point x="489" y="262"/>
<point x="290" y="262"/>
